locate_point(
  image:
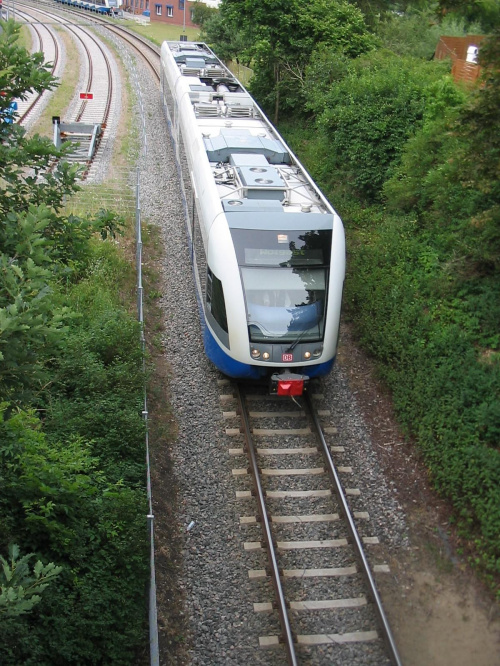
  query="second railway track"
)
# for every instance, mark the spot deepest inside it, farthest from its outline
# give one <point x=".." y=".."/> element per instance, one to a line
<point x="315" y="590"/>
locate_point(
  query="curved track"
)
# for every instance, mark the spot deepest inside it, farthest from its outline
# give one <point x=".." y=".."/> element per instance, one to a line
<point x="98" y="83"/>
<point x="98" y="75"/>
<point x="47" y="41"/>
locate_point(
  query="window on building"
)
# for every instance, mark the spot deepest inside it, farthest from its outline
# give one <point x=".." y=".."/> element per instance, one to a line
<point x="181" y="4"/>
<point x="158" y="10"/>
<point x="170" y="11"/>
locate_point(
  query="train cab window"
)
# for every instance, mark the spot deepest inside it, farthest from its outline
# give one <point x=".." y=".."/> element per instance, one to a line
<point x="285" y="281"/>
<point x="215" y="300"/>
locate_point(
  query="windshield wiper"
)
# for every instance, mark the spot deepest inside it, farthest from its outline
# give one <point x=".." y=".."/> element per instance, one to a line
<point x="297" y="340"/>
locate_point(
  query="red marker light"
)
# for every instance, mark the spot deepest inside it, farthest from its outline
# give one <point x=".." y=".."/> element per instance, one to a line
<point x="290" y="387"/>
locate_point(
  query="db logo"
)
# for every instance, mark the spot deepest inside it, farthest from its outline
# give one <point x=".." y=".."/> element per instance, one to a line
<point x="286" y="358"/>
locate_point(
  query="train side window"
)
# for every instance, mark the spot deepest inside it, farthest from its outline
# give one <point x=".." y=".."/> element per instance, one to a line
<point x="215" y="300"/>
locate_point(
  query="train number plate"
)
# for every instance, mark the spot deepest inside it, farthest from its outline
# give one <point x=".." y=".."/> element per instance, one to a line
<point x="286" y="358"/>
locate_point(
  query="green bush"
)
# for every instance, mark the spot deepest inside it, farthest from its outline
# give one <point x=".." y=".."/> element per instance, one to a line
<point x="370" y="114"/>
<point x="428" y="317"/>
<point x="57" y="499"/>
<point x="435" y="340"/>
<point x="73" y="481"/>
<point x="416" y="32"/>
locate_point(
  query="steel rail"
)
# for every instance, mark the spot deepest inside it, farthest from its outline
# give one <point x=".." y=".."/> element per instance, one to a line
<point x="90" y="78"/>
<point x="275" y="573"/>
<point x="384" y="624"/>
<point x="133" y="39"/>
<point x="30" y="20"/>
<point x="76" y="30"/>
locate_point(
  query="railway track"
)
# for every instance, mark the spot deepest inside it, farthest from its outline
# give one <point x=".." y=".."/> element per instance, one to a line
<point x="146" y="49"/>
<point x="328" y="612"/>
<point x="99" y="77"/>
<point x="47" y="41"/>
<point x="301" y="535"/>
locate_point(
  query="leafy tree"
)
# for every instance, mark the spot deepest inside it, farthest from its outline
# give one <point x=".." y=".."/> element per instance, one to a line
<point x="449" y="169"/>
<point x="38" y="246"/>
<point x="23" y="160"/>
<point x="226" y="39"/>
<point x="55" y="498"/>
<point x="370" y="114"/>
<point x="76" y="502"/>
<point x="201" y="13"/>
<point x="418" y="183"/>
<point x="20" y="589"/>
<point x="486" y="12"/>
<point x="416" y="31"/>
<point x="282" y="36"/>
<point x="373" y="10"/>
<point x="29" y="320"/>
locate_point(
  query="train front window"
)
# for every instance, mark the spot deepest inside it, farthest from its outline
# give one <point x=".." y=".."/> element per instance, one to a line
<point x="284" y="304"/>
<point x="284" y="249"/>
<point x="285" y="278"/>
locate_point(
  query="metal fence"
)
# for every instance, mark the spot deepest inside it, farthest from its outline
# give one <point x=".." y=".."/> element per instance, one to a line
<point x="121" y="193"/>
<point x="241" y="72"/>
<point x="153" y="615"/>
<point x="118" y="189"/>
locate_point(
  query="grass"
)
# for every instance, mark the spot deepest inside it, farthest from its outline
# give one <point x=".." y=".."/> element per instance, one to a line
<point x="159" y="32"/>
<point x="25" y="39"/>
<point x="62" y="95"/>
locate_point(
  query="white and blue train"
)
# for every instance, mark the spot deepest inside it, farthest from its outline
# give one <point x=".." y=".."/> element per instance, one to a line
<point x="107" y="7"/>
<point x="268" y="249"/>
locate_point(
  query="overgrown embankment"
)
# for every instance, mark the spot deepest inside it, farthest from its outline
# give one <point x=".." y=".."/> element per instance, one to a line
<point x="409" y="160"/>
<point x="73" y="503"/>
<point x="73" y="482"/>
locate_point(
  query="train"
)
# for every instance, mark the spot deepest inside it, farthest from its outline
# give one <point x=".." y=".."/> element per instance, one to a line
<point x="267" y="248"/>
<point x="106" y="7"/>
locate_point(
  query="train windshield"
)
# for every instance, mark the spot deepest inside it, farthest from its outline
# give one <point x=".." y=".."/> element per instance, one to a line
<point x="285" y="278"/>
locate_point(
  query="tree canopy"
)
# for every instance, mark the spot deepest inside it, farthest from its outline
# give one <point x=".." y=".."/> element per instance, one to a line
<point x="280" y="37"/>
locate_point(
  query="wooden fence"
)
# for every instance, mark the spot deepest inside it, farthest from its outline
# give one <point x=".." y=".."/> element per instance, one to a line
<point x="456" y="49"/>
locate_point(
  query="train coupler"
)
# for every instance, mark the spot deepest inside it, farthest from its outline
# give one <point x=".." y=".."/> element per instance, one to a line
<point x="288" y="384"/>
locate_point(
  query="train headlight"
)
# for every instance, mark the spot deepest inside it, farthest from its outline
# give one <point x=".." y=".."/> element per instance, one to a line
<point x="307" y="355"/>
<point x="317" y="352"/>
<point x="255" y="353"/>
<point x="266" y="356"/>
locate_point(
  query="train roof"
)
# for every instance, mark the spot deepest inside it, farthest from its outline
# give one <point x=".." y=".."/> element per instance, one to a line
<point x="253" y="169"/>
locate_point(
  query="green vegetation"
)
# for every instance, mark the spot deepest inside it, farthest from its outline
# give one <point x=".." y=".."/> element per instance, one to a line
<point x="21" y="589"/>
<point x="411" y="161"/>
<point x="279" y="42"/>
<point x="60" y="99"/>
<point x="160" y="32"/>
<point x="72" y="491"/>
